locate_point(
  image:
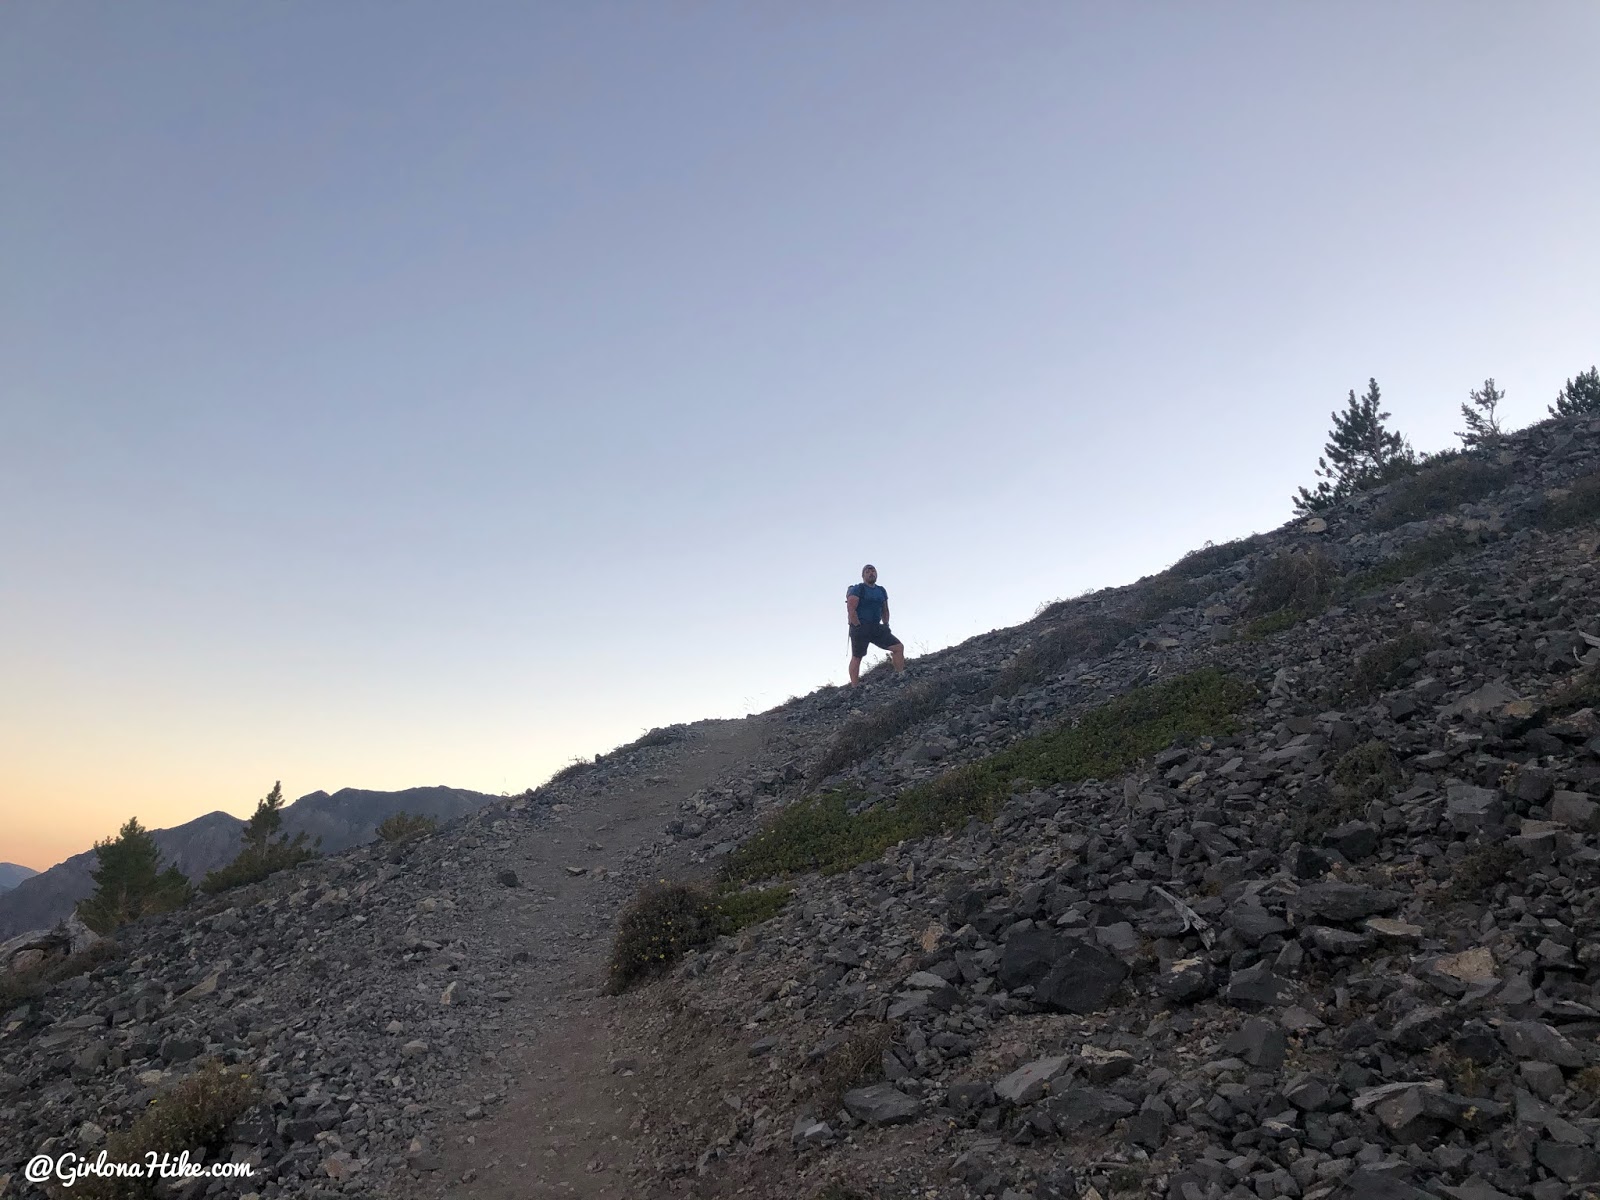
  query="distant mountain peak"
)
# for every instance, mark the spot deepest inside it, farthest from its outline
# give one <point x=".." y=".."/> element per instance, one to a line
<point x="36" y="900"/>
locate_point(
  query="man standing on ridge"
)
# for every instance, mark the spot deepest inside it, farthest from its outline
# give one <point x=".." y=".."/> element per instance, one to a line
<point x="867" y="606"/>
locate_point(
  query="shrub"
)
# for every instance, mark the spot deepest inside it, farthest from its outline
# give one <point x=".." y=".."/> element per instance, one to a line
<point x="1319" y="810"/>
<point x="884" y="666"/>
<point x="871" y="731"/>
<point x="1212" y="557"/>
<point x="739" y="909"/>
<point x="572" y="770"/>
<point x="402" y="827"/>
<point x="824" y="833"/>
<point x="1155" y="596"/>
<point x="1365" y="773"/>
<point x="129" y="881"/>
<point x="667" y="920"/>
<point x="1476" y="875"/>
<point x="1579" y="505"/>
<point x="19" y="987"/>
<point x="857" y="1063"/>
<point x="1432" y="551"/>
<point x="193" y="1115"/>
<point x="1292" y="582"/>
<point x="665" y="735"/>
<point x="1438" y="489"/>
<point x="1369" y="771"/>
<point x="1054" y="649"/>
<point x="1388" y="664"/>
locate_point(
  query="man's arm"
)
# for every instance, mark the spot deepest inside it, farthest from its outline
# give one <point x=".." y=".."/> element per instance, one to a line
<point x="885" y="617"/>
<point x="850" y="602"/>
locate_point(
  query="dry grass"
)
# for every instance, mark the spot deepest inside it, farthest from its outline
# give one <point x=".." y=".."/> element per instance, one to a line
<point x="1293" y="582"/>
<point x="1579" y="506"/>
<point x="402" y="827"/>
<point x="873" y="730"/>
<point x="1057" y="647"/>
<point x="857" y="1063"/>
<point x="194" y="1115"/>
<point x="1438" y="489"/>
<point x="1388" y="664"/>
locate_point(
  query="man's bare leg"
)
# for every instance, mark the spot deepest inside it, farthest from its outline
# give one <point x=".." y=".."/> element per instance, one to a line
<point x="899" y="652"/>
<point x="855" y="672"/>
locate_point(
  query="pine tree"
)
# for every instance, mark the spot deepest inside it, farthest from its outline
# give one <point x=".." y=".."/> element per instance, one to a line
<point x="1483" y="423"/>
<point x="1361" y="451"/>
<point x="264" y="849"/>
<point x="1580" y="395"/>
<point x="129" y="881"/>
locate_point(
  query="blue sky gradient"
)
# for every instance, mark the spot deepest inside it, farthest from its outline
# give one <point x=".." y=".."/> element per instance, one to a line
<point x="396" y="393"/>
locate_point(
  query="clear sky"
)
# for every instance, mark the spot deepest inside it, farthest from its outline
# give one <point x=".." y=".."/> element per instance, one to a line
<point x="405" y="393"/>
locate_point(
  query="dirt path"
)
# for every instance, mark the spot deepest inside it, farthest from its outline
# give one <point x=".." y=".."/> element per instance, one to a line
<point x="563" y="1127"/>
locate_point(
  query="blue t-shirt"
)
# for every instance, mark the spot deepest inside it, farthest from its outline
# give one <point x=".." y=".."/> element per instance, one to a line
<point x="870" y="606"/>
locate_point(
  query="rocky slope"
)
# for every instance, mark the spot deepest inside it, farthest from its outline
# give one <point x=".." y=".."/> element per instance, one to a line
<point x="1346" y="949"/>
<point x="344" y="819"/>
<point x="1342" y="947"/>
<point x="12" y="874"/>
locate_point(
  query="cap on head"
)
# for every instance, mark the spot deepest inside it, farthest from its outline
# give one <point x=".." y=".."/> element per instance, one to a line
<point x="868" y="567"/>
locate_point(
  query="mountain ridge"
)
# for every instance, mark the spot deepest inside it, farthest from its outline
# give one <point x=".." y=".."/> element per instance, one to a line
<point x="340" y="819"/>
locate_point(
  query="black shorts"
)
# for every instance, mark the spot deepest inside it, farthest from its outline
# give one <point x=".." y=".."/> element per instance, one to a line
<point x="864" y="635"/>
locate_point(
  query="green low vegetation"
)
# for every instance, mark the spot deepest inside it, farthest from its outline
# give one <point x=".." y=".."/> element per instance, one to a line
<point x="1435" y="550"/>
<point x="1360" y="775"/>
<point x="1476" y="875"/>
<point x="863" y="735"/>
<point x="266" y="850"/>
<point x="402" y="827"/>
<point x="1212" y="557"/>
<point x="1264" y="627"/>
<point x="1388" y="664"/>
<point x="1438" y="488"/>
<point x="1370" y="771"/>
<point x="665" y="921"/>
<point x="194" y="1115"/>
<point x="130" y="882"/>
<point x="1299" y="582"/>
<point x="1579" y="506"/>
<point x="1155" y="596"/>
<point x="825" y="833"/>
<point x="1053" y="650"/>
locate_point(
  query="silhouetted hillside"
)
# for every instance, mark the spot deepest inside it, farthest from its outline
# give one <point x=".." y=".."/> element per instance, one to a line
<point x="346" y="818"/>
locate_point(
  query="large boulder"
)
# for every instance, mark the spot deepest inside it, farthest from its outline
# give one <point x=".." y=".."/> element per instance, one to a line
<point x="38" y="947"/>
<point x="1067" y="974"/>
